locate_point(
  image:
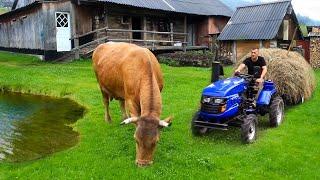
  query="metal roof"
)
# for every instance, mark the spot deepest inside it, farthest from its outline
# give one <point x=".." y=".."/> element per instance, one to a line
<point x="259" y="21"/>
<point x="199" y="7"/>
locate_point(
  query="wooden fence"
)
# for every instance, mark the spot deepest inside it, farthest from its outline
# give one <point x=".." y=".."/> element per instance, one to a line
<point x="153" y="41"/>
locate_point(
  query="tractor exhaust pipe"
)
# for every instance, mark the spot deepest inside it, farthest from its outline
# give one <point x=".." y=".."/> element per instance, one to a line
<point x="217" y="70"/>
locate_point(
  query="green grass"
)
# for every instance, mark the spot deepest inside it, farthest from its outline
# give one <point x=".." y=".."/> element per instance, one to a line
<point x="3" y="10"/>
<point x="107" y="151"/>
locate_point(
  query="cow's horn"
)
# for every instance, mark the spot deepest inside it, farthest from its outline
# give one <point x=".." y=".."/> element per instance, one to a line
<point x="164" y="124"/>
<point x="129" y="120"/>
<point x="167" y="122"/>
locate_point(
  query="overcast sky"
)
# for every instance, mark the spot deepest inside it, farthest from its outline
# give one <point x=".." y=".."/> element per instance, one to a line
<point x="310" y="8"/>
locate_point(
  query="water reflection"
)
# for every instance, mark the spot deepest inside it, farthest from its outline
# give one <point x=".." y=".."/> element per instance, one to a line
<point x="34" y="126"/>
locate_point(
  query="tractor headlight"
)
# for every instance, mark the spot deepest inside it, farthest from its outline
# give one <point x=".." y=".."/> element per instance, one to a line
<point x="219" y="101"/>
<point x="206" y="99"/>
<point x="212" y="100"/>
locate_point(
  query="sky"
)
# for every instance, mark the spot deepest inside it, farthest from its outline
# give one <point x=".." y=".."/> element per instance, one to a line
<point x="310" y="8"/>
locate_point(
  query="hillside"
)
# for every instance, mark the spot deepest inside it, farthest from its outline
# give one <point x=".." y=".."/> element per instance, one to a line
<point x="3" y="10"/>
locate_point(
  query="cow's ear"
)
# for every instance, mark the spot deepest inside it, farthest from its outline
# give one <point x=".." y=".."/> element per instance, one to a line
<point x="166" y="123"/>
<point x="130" y="120"/>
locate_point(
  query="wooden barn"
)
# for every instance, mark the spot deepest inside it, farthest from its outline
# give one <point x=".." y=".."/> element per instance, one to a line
<point x="264" y="25"/>
<point x="55" y="28"/>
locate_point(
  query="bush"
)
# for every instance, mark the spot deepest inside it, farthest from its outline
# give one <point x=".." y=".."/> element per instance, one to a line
<point x="190" y="58"/>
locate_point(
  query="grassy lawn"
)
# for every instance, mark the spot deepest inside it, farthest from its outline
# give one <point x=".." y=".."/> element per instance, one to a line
<point x="107" y="151"/>
<point x="3" y="10"/>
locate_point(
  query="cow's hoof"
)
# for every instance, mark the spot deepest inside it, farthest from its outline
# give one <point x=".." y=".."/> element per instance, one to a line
<point x="143" y="163"/>
<point x="108" y="120"/>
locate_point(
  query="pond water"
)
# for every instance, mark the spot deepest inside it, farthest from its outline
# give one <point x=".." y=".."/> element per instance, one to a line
<point x="32" y="127"/>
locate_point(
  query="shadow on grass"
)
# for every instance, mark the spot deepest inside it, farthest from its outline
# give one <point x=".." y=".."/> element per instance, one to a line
<point x="232" y="136"/>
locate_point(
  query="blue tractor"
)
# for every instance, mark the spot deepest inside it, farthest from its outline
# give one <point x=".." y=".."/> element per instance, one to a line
<point x="236" y="102"/>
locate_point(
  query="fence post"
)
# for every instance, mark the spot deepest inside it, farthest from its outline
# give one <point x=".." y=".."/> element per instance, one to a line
<point x="145" y="29"/>
<point x="76" y="46"/>
<point x="153" y="40"/>
<point x="171" y="34"/>
<point x="153" y="35"/>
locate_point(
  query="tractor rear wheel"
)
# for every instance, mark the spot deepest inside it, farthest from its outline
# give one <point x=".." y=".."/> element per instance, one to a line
<point x="276" y="112"/>
<point x="249" y="129"/>
<point x="197" y="131"/>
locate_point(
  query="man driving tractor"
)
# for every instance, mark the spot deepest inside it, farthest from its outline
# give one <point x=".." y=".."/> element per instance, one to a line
<point x="256" y="66"/>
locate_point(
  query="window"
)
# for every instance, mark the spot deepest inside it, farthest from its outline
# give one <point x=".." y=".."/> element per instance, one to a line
<point x="62" y="20"/>
<point x="125" y="20"/>
<point x="164" y="25"/>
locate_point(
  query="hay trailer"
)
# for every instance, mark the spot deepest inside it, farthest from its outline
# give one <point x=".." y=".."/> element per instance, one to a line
<point x="233" y="102"/>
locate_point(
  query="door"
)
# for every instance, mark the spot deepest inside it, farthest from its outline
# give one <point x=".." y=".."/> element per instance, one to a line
<point x="136" y="25"/>
<point x="191" y="35"/>
<point x="63" y="31"/>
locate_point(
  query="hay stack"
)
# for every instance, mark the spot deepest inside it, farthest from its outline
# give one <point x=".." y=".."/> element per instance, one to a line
<point x="293" y="76"/>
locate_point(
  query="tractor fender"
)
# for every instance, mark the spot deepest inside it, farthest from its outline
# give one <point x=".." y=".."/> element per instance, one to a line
<point x="265" y="97"/>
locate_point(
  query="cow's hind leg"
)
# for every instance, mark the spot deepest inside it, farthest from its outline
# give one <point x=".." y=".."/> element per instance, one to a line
<point x="106" y="100"/>
<point x="124" y="112"/>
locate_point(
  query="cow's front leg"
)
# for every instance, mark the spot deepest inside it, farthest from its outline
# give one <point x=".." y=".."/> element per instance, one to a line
<point x="133" y="108"/>
<point x="106" y="100"/>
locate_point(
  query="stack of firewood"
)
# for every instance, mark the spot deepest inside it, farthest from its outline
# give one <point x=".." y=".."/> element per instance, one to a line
<point x="315" y="52"/>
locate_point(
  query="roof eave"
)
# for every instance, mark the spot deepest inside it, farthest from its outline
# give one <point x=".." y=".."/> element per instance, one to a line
<point x="9" y="13"/>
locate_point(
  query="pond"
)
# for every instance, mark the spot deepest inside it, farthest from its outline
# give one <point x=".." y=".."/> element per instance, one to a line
<point x="32" y="127"/>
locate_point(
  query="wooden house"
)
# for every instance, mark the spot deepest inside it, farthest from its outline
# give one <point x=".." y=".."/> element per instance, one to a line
<point x="54" y="28"/>
<point x="264" y="25"/>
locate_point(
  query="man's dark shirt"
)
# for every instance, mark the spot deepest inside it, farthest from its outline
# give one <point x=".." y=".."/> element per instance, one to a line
<point x="255" y="68"/>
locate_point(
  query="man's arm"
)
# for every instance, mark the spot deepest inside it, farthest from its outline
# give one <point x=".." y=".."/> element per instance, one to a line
<point x="240" y="68"/>
<point x="263" y="74"/>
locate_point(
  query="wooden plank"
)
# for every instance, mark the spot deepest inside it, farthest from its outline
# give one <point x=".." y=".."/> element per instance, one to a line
<point x="74" y="31"/>
<point x="145" y="28"/>
<point x="186" y="32"/>
<point x="90" y="43"/>
<point x="171" y="33"/>
<point x="143" y="31"/>
<point x="128" y="30"/>
<point x="141" y="40"/>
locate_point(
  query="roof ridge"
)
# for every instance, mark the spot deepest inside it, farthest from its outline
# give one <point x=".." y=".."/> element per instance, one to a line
<point x="254" y="21"/>
<point x="197" y="2"/>
<point x="264" y="3"/>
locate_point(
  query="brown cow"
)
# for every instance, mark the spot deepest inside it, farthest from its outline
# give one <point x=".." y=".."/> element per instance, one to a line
<point x="132" y="75"/>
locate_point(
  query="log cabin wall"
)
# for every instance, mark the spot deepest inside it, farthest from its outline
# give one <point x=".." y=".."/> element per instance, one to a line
<point x="244" y="47"/>
<point x="23" y="30"/>
<point x="33" y="29"/>
<point x="207" y="26"/>
<point x="118" y="17"/>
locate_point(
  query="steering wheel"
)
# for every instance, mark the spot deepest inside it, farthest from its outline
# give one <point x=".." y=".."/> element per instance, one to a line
<point x="247" y="77"/>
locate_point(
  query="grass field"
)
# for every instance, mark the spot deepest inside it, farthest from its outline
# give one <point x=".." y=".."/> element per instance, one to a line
<point x="107" y="151"/>
<point x="3" y="10"/>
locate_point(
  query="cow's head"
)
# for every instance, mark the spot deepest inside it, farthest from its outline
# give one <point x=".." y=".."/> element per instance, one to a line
<point x="147" y="135"/>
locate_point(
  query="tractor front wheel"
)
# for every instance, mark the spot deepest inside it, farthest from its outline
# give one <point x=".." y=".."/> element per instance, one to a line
<point x="249" y="129"/>
<point x="197" y="131"/>
<point x="276" y="112"/>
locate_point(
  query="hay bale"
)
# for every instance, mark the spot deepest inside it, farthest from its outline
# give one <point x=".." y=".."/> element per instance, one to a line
<point x="293" y="76"/>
